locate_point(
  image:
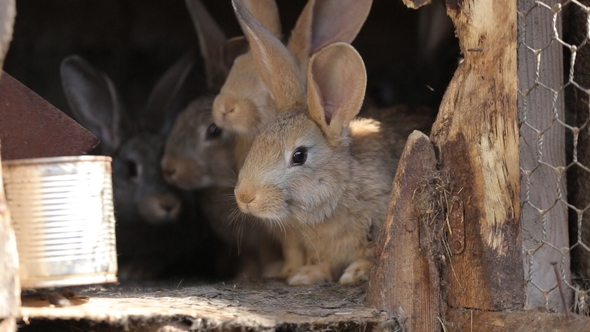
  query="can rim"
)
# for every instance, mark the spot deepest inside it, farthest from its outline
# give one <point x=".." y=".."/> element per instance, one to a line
<point x="55" y="160"/>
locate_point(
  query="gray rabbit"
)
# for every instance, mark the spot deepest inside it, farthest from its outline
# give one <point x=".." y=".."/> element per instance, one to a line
<point x="156" y="227"/>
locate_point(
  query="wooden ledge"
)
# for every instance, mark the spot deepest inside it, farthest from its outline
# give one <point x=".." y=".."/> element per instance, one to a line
<point x="269" y="305"/>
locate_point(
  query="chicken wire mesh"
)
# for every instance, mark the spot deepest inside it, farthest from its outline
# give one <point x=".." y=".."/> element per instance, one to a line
<point x="554" y="90"/>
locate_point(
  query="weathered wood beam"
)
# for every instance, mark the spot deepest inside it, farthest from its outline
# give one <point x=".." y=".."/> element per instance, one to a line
<point x="405" y="280"/>
<point x="9" y="282"/>
<point x="476" y="135"/>
<point x="533" y="320"/>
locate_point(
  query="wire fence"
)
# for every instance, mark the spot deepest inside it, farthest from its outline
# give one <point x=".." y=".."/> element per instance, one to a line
<point x="554" y="82"/>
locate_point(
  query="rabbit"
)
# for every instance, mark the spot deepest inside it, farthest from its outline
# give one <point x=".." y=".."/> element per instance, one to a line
<point x="244" y="105"/>
<point x="182" y="163"/>
<point x="200" y="156"/>
<point x="316" y="168"/>
<point x="151" y="221"/>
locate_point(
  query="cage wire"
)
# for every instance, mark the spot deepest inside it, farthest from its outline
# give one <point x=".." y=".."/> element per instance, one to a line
<point x="553" y="95"/>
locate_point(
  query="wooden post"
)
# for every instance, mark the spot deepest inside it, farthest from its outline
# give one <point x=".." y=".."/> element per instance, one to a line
<point x="7" y="14"/>
<point x="476" y="134"/>
<point x="405" y="280"/>
<point x="542" y="148"/>
<point x="9" y="282"/>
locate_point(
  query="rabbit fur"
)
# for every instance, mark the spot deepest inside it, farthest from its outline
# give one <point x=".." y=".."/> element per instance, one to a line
<point x="200" y="156"/>
<point x="244" y="105"/>
<point x="316" y="171"/>
<point x="153" y="217"/>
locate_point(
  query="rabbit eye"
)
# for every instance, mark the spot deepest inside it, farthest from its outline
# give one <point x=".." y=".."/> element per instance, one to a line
<point x="213" y="131"/>
<point x="132" y="170"/>
<point x="299" y="156"/>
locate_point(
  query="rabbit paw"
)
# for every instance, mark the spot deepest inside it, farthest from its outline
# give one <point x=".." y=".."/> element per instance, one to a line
<point x="310" y="275"/>
<point x="290" y="267"/>
<point x="356" y="272"/>
<point x="287" y="271"/>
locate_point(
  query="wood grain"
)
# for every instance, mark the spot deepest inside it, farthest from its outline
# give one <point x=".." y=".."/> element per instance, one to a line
<point x="405" y="279"/>
<point x="9" y="282"/>
<point x="477" y="137"/>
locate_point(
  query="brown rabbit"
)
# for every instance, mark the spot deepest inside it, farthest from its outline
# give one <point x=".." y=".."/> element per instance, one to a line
<point x="316" y="169"/>
<point x="244" y="105"/>
<point x="187" y="164"/>
<point x="200" y="156"/>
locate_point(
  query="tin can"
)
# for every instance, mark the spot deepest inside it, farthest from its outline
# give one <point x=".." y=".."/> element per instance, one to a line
<point x="63" y="218"/>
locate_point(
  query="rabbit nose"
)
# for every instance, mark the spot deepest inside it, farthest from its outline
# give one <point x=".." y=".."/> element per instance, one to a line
<point x="170" y="204"/>
<point x="168" y="169"/>
<point x="169" y="173"/>
<point x="245" y="195"/>
<point x="226" y="109"/>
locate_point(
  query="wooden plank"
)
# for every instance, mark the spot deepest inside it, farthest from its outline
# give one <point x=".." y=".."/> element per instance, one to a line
<point x="542" y="148"/>
<point x="9" y="282"/>
<point x="477" y="138"/>
<point x="405" y="279"/>
<point x="239" y="306"/>
<point x="466" y="320"/>
<point x="32" y="128"/>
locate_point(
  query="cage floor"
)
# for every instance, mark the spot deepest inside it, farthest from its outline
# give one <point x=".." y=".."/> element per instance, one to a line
<point x="182" y="306"/>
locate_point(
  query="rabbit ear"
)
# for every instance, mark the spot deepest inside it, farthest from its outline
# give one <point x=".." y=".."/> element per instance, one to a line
<point x="162" y="95"/>
<point x="325" y="22"/>
<point x="336" y="82"/>
<point x="233" y="48"/>
<point x="274" y="63"/>
<point x="267" y="13"/>
<point x="211" y="40"/>
<point x="94" y="101"/>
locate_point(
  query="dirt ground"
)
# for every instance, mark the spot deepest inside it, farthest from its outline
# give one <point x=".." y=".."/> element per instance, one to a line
<point x="179" y="305"/>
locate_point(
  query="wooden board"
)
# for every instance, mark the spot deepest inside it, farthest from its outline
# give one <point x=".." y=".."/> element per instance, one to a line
<point x="32" y="128"/>
<point x="214" y="307"/>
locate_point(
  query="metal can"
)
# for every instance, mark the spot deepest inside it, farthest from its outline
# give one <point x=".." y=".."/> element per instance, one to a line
<point x="63" y="218"/>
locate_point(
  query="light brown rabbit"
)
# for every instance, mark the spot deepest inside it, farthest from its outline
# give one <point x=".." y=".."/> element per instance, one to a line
<point x="316" y="169"/>
<point x="200" y="156"/>
<point x="244" y="105"/>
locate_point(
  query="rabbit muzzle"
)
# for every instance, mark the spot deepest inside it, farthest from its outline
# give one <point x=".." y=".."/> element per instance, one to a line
<point x="264" y="202"/>
<point x="160" y="208"/>
<point x="235" y="114"/>
<point x="182" y="172"/>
